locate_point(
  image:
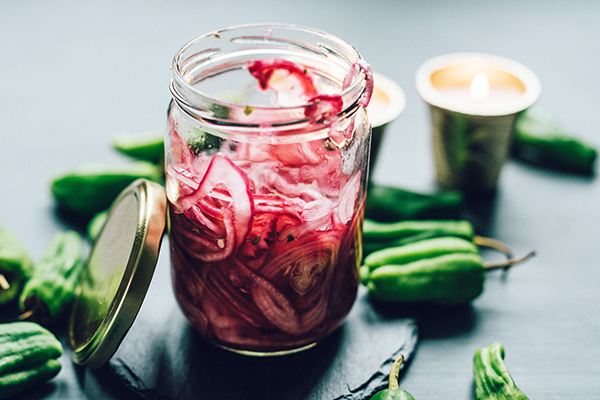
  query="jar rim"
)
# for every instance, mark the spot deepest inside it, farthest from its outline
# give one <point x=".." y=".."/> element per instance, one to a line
<point x="199" y="104"/>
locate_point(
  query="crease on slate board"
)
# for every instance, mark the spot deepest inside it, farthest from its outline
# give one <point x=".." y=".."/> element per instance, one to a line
<point x="380" y="379"/>
<point x="123" y="373"/>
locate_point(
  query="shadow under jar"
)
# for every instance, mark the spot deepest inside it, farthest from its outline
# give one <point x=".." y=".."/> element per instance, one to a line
<point x="267" y="152"/>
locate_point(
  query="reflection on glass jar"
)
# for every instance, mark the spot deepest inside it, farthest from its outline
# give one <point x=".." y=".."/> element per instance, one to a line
<point x="267" y="149"/>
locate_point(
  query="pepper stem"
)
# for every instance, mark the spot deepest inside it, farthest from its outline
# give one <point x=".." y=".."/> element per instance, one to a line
<point x="489" y="266"/>
<point x="34" y="309"/>
<point x="502" y="248"/>
<point x="4" y="285"/>
<point x="26" y="315"/>
<point x="394" y="372"/>
<point x="493" y="244"/>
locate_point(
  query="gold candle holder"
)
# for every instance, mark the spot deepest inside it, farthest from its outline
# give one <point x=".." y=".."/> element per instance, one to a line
<point x="474" y="100"/>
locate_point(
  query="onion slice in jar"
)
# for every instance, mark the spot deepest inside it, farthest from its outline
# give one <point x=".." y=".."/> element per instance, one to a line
<point x="305" y="268"/>
<point x="224" y="180"/>
<point x="278" y="75"/>
<point x="185" y="180"/>
<point x="202" y="243"/>
<point x="272" y="302"/>
<point x="365" y="98"/>
<point x="324" y="107"/>
<point x="348" y="196"/>
<point x="181" y="152"/>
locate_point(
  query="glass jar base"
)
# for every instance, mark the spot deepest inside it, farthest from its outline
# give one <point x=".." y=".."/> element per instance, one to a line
<point x="267" y="353"/>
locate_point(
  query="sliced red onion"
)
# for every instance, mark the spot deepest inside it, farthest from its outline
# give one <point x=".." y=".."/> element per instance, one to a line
<point x="276" y="204"/>
<point x="322" y="223"/>
<point x="195" y="214"/>
<point x="305" y="267"/>
<point x="221" y="171"/>
<point x="324" y="107"/>
<point x="266" y="231"/>
<point x="230" y="292"/>
<point x="348" y="196"/>
<point x="365" y="98"/>
<point x="272" y="302"/>
<point x="264" y="70"/>
<point x="181" y="153"/>
<point x="203" y="243"/>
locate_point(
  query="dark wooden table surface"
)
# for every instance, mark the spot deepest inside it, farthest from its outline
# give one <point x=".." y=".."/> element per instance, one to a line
<point x="75" y="74"/>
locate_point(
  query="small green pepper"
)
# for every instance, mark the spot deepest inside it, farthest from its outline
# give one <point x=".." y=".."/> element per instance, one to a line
<point x="150" y="147"/>
<point x="539" y="139"/>
<point x="15" y="266"/>
<point x="491" y="377"/>
<point x="380" y="235"/>
<point x="90" y="189"/>
<point x="393" y="392"/>
<point x="390" y="204"/>
<point x="51" y="289"/>
<point x="418" y="250"/>
<point x="28" y="357"/>
<point x="373" y="230"/>
<point x="449" y="279"/>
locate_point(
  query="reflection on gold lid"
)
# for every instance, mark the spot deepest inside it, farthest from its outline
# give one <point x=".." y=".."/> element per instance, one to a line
<point x="118" y="273"/>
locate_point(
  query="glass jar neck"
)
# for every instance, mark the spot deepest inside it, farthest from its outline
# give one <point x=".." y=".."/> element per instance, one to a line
<point x="213" y="86"/>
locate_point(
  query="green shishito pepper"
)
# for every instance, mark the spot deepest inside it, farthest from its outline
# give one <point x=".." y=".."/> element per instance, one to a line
<point x="380" y="235"/>
<point x="149" y="147"/>
<point x="418" y="250"/>
<point x="90" y="189"/>
<point x="15" y="266"/>
<point x="444" y="270"/>
<point x="28" y="357"/>
<point x="491" y="377"/>
<point x="450" y="279"/>
<point x="393" y="392"/>
<point x="539" y="139"/>
<point x="391" y="204"/>
<point x="51" y="289"/>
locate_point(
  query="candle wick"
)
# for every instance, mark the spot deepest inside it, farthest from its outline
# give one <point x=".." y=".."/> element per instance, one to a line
<point x="480" y="87"/>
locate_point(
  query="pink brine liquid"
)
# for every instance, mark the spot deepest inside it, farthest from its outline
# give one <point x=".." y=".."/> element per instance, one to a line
<point x="265" y="238"/>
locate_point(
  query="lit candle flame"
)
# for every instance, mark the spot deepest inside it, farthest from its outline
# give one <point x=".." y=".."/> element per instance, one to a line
<point x="480" y="86"/>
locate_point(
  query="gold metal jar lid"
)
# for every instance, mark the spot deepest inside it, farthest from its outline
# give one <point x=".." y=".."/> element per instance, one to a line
<point x="118" y="273"/>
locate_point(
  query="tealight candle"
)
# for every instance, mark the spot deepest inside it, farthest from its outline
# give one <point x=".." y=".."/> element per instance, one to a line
<point x="474" y="100"/>
<point x="479" y="95"/>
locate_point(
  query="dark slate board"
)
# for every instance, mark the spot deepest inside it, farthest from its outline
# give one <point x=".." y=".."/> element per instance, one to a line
<point x="163" y="358"/>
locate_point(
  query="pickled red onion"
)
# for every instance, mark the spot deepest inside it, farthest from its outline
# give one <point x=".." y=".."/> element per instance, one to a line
<point x="365" y="98"/>
<point x="348" y="196"/>
<point x="265" y="71"/>
<point x="324" y="107"/>
<point x="221" y="171"/>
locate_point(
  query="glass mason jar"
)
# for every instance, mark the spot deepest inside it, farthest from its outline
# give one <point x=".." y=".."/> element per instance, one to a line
<point x="267" y="151"/>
